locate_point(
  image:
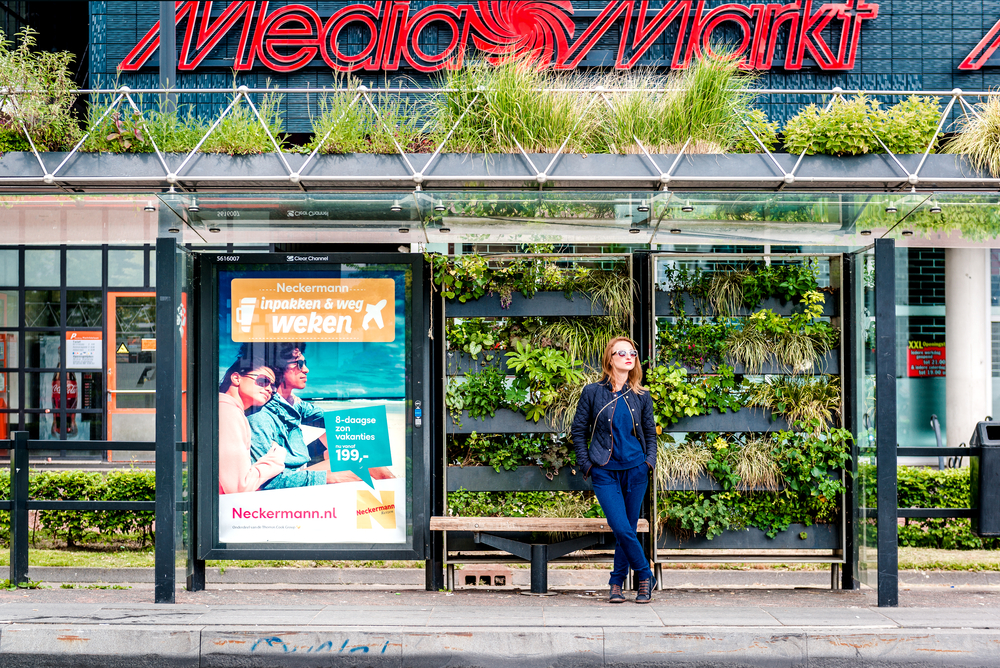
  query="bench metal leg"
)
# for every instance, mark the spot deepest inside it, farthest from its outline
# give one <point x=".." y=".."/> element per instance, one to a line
<point x="539" y="569"/>
<point x="834" y="576"/>
<point x="658" y="574"/>
<point x="451" y="577"/>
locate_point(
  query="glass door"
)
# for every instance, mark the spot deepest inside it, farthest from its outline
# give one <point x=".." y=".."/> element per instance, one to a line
<point x="131" y="399"/>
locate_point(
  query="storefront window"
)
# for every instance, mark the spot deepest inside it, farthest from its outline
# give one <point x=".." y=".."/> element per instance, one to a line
<point x="8" y="267"/>
<point x="41" y="350"/>
<point x="84" y="308"/>
<point x="8" y="308"/>
<point x="42" y="308"/>
<point x="41" y="268"/>
<point x="126" y="268"/>
<point x="83" y="268"/>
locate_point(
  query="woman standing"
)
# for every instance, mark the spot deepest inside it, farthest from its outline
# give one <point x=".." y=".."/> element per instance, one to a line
<point x="615" y="415"/>
<point x="243" y="388"/>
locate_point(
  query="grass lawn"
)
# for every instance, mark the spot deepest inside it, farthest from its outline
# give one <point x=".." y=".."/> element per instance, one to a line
<point x="910" y="558"/>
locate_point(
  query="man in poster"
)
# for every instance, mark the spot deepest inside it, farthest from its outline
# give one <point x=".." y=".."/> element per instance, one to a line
<point x="281" y="419"/>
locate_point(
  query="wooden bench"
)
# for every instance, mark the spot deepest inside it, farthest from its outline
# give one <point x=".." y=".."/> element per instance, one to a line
<point x="538" y="554"/>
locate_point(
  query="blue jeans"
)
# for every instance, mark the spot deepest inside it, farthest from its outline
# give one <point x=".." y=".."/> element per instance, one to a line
<point x="620" y="494"/>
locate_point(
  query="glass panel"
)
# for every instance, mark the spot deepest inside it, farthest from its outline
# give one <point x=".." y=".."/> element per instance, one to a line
<point x="42" y="308"/>
<point x="9" y="380"/>
<point x="83" y="268"/>
<point x="8" y="350"/>
<point x="8" y="267"/>
<point x="126" y="268"/>
<point x="8" y="423"/>
<point x="41" y="267"/>
<point x="84" y="308"/>
<point x="152" y="268"/>
<point x="867" y="465"/>
<point x="135" y="370"/>
<point x="8" y="308"/>
<point x="83" y="390"/>
<point x="42" y="350"/>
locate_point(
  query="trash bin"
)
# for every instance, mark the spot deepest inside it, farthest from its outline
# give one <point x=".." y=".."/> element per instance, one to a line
<point x="984" y="478"/>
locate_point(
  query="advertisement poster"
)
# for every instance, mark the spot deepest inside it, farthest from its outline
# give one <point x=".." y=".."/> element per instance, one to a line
<point x="312" y="431"/>
<point x="925" y="359"/>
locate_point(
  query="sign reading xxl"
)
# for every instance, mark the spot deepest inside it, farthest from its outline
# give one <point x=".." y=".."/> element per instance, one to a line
<point x="289" y="37"/>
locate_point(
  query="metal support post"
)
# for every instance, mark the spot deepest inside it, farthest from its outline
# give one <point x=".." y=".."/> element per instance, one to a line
<point x="19" y="508"/>
<point x="434" y="436"/>
<point x="539" y="569"/>
<point x="852" y="360"/>
<point x="885" y="421"/>
<point x="168" y="52"/>
<point x="167" y="413"/>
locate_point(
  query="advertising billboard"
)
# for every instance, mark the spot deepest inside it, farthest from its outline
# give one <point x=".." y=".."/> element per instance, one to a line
<point x="312" y="437"/>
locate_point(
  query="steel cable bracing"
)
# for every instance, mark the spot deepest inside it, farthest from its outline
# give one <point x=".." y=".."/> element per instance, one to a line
<point x="64" y="177"/>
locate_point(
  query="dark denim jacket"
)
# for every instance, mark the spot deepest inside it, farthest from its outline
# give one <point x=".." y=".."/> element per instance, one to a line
<point x="593" y="423"/>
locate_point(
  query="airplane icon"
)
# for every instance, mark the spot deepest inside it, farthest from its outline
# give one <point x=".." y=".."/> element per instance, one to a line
<point x="374" y="312"/>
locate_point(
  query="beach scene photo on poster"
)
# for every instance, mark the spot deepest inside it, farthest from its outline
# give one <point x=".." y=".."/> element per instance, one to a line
<point x="311" y="437"/>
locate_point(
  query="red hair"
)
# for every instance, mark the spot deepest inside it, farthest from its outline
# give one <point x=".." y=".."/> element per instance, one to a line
<point x="634" y="376"/>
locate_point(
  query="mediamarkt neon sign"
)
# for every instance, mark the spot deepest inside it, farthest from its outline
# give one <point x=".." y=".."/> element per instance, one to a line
<point x="289" y="37"/>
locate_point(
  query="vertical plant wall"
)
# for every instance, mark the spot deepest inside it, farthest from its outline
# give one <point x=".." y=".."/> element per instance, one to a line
<point x="745" y="381"/>
<point x="524" y="335"/>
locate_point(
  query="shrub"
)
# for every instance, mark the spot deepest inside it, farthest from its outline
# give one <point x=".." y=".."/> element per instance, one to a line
<point x="76" y="527"/>
<point x="979" y="139"/>
<point x="46" y="111"/>
<point x="854" y="126"/>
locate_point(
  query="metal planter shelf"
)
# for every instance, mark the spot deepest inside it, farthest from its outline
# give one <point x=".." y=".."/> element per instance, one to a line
<point x="744" y="420"/>
<point x="828" y="364"/>
<point x="104" y="172"/>
<point x="521" y="479"/>
<point x="818" y="537"/>
<point x="830" y="306"/>
<point x="505" y="421"/>
<point x="547" y="303"/>
<point x="532" y="479"/>
<point x="460" y="364"/>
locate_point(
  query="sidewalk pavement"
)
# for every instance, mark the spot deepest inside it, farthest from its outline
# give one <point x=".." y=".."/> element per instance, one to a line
<point x="702" y="618"/>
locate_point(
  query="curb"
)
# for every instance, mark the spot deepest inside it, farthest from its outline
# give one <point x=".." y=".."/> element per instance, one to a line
<point x="82" y="646"/>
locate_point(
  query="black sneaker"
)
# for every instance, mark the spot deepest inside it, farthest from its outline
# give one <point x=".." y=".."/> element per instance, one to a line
<point x="646" y="588"/>
<point x="616" y="595"/>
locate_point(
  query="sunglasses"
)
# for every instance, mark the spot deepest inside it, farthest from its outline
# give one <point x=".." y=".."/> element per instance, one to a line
<point x="626" y="353"/>
<point x="299" y="363"/>
<point x="261" y="381"/>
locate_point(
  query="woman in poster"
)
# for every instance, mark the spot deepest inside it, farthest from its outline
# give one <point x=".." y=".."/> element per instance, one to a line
<point x="244" y="388"/>
<point x="614" y="434"/>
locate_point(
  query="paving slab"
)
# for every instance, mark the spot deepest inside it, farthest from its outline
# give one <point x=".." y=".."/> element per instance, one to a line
<point x="623" y="614"/>
<point x="960" y="618"/>
<point x="453" y="615"/>
<point x="716" y="648"/>
<point x="730" y="617"/>
<point x="826" y="617"/>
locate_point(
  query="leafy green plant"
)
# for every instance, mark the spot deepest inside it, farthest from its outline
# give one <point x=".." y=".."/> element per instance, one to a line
<point x="692" y="342"/>
<point x="541" y="373"/>
<point x="463" y="278"/>
<point x="676" y="395"/>
<point x="474" y="335"/>
<point x="854" y="126"/>
<point x="695" y="513"/>
<point x="482" y="393"/>
<point x="464" y="503"/>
